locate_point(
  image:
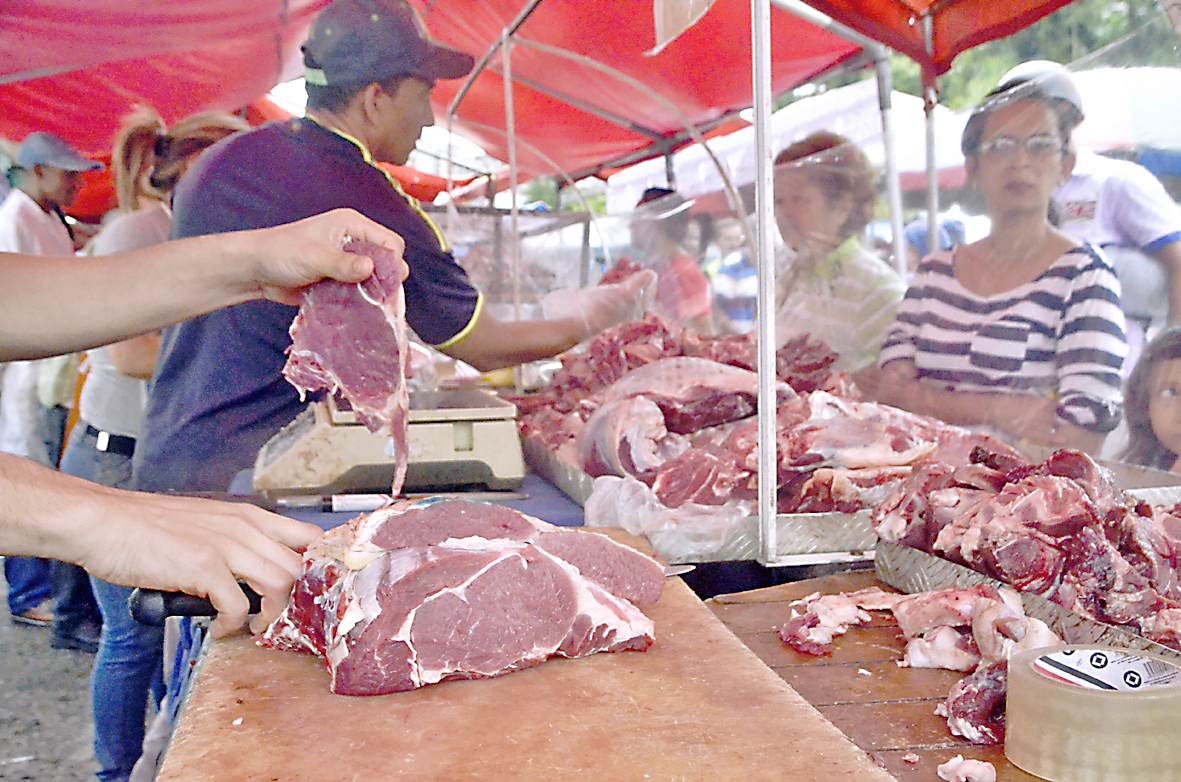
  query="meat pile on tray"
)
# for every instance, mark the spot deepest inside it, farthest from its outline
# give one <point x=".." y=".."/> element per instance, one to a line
<point x="654" y="402"/>
<point x="1061" y="529"/>
<point x="419" y="593"/>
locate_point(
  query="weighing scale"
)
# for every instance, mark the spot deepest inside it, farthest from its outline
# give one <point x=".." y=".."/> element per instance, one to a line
<point x="463" y="437"/>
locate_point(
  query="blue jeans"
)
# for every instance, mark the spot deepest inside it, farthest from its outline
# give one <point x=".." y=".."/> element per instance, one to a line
<point x="128" y="668"/>
<point x="30" y="582"/>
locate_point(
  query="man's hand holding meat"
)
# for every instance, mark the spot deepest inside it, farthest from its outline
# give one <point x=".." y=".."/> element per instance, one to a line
<point x="118" y="296"/>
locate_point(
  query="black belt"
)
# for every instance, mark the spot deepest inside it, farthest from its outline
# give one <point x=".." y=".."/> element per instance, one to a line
<point x="112" y="443"/>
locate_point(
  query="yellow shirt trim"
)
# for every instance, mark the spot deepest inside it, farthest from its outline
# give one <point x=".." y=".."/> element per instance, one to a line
<point x="394" y="183"/>
<point x="471" y="324"/>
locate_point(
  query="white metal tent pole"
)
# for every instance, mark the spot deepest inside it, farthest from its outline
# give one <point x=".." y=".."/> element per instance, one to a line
<point x="764" y="258"/>
<point x="930" y="97"/>
<point x="893" y="186"/>
<point x="511" y="128"/>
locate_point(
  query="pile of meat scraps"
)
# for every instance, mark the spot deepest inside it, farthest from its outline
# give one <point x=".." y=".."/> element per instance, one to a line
<point x="973" y="629"/>
<point x="1062" y="529"/>
<point x="419" y="593"/>
<point x="351" y="338"/>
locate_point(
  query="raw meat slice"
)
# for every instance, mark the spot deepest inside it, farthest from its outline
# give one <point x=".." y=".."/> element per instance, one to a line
<point x="823" y="618"/>
<point x="352" y="339"/>
<point x="420" y="593"/>
<point x="627" y="437"/>
<point x="975" y="707"/>
<point x="1001" y="629"/>
<point x="927" y="610"/>
<point x="695" y="476"/>
<point x="828" y="489"/>
<point x="845" y="433"/>
<point x="875" y="598"/>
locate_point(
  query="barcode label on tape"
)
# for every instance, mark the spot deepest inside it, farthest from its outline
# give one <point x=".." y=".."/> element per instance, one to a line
<point x="1107" y="669"/>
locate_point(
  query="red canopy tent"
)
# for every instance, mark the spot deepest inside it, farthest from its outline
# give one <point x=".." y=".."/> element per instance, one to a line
<point x="76" y="66"/>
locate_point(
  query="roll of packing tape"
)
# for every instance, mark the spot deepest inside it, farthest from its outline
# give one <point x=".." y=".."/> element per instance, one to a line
<point x="1082" y="713"/>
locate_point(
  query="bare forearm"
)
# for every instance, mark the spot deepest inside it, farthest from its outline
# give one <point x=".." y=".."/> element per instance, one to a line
<point x="136" y="539"/>
<point x="106" y="298"/>
<point x="61" y="305"/>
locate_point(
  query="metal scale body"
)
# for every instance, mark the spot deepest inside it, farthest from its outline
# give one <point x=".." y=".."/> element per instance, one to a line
<point x="464" y="437"/>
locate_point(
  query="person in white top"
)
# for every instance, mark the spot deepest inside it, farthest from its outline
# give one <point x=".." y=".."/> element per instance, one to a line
<point x="45" y="178"/>
<point x="1120" y="207"/>
<point x="149" y="159"/>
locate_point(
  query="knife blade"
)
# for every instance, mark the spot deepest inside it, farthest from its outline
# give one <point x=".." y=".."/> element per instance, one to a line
<point x="154" y="606"/>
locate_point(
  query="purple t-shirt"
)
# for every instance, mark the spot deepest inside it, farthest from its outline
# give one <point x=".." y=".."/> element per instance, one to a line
<point x="218" y="393"/>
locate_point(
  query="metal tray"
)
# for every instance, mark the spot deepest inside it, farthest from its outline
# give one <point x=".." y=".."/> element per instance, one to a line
<point x="911" y="570"/>
<point x="803" y="538"/>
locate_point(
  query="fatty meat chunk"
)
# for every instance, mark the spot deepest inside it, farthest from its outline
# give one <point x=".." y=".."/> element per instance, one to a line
<point x="960" y="770"/>
<point x="352" y="339"/>
<point x="420" y="593"/>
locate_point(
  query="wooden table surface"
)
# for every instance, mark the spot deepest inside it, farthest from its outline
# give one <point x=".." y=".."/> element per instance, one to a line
<point x="887" y="711"/>
<point x="698" y="705"/>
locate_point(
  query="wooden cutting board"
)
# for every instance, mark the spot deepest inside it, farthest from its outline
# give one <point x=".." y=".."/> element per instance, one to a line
<point x="698" y="705"/>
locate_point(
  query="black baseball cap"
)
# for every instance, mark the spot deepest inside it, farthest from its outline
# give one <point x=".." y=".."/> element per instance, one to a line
<point x="363" y="41"/>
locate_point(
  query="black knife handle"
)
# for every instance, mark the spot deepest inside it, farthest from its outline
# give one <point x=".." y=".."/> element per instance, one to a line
<point x="152" y="606"/>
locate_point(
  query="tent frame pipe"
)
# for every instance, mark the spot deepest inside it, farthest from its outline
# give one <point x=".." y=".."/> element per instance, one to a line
<point x="731" y="191"/>
<point x="765" y="265"/>
<point x="930" y="98"/>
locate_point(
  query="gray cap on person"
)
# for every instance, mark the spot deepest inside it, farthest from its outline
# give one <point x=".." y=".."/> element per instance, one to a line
<point x="363" y="41"/>
<point x="46" y="149"/>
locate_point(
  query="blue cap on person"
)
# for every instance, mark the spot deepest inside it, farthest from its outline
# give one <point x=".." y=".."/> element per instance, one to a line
<point x="355" y="42"/>
<point x="46" y="149"/>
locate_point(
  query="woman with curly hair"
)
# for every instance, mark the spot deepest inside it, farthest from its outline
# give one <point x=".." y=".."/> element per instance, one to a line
<point x="834" y="288"/>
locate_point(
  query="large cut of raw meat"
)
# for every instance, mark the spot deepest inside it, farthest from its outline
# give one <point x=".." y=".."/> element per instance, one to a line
<point x="352" y="339"/>
<point x="420" y="593"/>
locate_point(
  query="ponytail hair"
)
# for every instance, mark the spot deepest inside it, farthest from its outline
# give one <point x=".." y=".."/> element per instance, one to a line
<point x="149" y="158"/>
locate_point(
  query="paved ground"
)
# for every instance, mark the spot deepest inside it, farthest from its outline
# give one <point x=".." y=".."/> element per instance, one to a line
<point x="46" y="731"/>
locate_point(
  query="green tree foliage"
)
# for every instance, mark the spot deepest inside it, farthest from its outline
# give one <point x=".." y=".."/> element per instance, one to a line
<point x="1084" y="34"/>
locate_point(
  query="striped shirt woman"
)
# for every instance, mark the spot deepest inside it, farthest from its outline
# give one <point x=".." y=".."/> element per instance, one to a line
<point x="1060" y="335"/>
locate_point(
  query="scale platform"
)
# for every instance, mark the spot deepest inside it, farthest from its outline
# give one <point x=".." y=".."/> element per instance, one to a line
<point x="457" y="438"/>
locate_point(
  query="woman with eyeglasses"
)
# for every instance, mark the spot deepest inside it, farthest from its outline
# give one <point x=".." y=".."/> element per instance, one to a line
<point x="1020" y="332"/>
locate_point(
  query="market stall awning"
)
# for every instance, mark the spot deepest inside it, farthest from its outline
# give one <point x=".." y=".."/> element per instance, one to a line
<point x="954" y="25"/>
<point x="76" y="66"/>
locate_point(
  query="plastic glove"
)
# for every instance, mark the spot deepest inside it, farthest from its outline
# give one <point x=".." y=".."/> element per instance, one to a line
<point x="603" y="306"/>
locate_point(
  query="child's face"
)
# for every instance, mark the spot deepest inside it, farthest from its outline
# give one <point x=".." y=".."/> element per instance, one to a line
<point x="1164" y="406"/>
